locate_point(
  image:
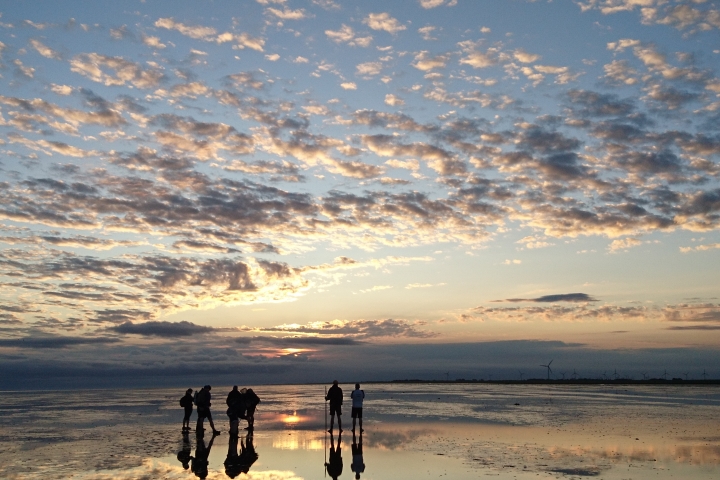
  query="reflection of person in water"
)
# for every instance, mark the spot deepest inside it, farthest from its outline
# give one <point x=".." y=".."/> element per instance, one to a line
<point x="335" y="463"/>
<point x="357" y="466"/>
<point x="184" y="454"/>
<point x="232" y="467"/>
<point x="248" y="455"/>
<point x="200" y="461"/>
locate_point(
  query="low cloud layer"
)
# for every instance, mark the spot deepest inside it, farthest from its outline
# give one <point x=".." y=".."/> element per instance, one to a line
<point x="563" y="297"/>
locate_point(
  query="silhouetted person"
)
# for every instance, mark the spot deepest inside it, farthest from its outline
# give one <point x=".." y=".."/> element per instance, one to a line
<point x="248" y="455"/>
<point x="187" y="403"/>
<point x="232" y="464"/>
<point x="184" y="454"/>
<point x="203" y="409"/>
<point x="252" y="402"/>
<point x="200" y="461"/>
<point x="357" y="466"/>
<point x="335" y="396"/>
<point x="235" y="403"/>
<point x="335" y="464"/>
<point x="357" y="397"/>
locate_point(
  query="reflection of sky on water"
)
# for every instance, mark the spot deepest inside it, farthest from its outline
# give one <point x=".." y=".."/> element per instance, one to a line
<point x="412" y="431"/>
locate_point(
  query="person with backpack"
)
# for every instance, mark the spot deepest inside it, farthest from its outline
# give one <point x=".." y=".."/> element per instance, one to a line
<point x="335" y="396"/>
<point x="236" y="408"/>
<point x="252" y="402"/>
<point x="202" y="400"/>
<point x="187" y="403"/>
<point x="357" y="397"/>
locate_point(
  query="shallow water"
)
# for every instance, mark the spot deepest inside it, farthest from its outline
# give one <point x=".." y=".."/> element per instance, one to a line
<point x="412" y="431"/>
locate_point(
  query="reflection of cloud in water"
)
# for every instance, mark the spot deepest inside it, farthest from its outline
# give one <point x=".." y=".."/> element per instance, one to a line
<point x="151" y="469"/>
<point x="698" y="454"/>
<point x="391" y="439"/>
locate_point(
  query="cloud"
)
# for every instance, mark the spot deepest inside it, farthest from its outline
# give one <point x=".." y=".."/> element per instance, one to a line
<point x="359" y="329"/>
<point x="563" y="297"/>
<point x="347" y="35"/>
<point x="94" y="66"/>
<point x="302" y="341"/>
<point x="394" y="100"/>
<point x="426" y="63"/>
<point x="287" y="14"/>
<point x="700" y="248"/>
<point x="383" y="21"/>
<point x="426" y="32"/>
<point x="368" y="69"/>
<point x="54" y="342"/>
<point x="623" y="244"/>
<point x="525" y="57"/>
<point x="161" y="329"/>
<point x="153" y="42"/>
<point x="376" y="288"/>
<point x="198" y="32"/>
<point x="412" y="286"/>
<point x="44" y="50"/>
<point x="349" y="86"/>
<point x="209" y="34"/>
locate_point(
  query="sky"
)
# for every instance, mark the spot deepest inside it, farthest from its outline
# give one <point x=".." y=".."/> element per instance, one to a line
<point x="296" y="189"/>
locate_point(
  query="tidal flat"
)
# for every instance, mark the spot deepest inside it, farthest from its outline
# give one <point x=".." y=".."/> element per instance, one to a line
<point x="459" y="431"/>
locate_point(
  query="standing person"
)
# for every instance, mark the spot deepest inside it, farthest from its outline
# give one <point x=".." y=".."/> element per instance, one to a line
<point x="187" y="403"/>
<point x="357" y="397"/>
<point x="203" y="409"/>
<point x="252" y="403"/>
<point x="335" y="396"/>
<point x="233" y="401"/>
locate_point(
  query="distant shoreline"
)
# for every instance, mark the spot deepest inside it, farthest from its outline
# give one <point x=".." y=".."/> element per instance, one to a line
<point x="578" y="381"/>
<point x="675" y="382"/>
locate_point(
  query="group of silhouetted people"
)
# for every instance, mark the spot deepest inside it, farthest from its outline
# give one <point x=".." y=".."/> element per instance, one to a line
<point x="241" y="406"/>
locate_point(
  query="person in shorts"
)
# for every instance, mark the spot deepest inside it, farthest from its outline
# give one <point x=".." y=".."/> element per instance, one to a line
<point x="357" y="397"/>
<point x="335" y="396"/>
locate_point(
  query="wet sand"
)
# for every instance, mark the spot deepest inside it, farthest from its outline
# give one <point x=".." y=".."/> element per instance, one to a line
<point x="411" y="431"/>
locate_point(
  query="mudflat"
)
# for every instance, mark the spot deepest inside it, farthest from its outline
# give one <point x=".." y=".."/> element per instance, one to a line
<point x="411" y="431"/>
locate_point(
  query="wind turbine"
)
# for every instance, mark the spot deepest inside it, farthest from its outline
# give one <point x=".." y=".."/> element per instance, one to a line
<point x="615" y="374"/>
<point x="644" y="374"/>
<point x="563" y="375"/>
<point x="686" y="375"/>
<point x="549" y="370"/>
<point x="664" y="375"/>
<point x="521" y="375"/>
<point x="574" y="374"/>
<point x="704" y="375"/>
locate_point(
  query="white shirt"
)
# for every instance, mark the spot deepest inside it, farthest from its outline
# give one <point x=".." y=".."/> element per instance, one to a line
<point x="357" y="398"/>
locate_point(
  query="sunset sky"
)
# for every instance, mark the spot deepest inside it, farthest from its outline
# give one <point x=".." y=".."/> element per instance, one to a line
<point x="294" y="189"/>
